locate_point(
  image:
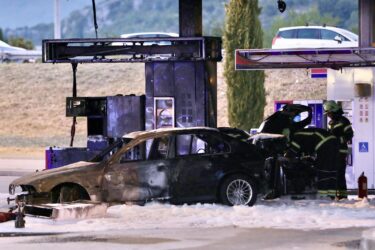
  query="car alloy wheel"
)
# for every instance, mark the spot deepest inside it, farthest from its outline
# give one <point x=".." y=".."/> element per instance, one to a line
<point x="238" y="189"/>
<point x="239" y="192"/>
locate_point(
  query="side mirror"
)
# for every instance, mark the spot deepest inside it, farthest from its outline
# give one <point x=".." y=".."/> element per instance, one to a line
<point x="338" y="39"/>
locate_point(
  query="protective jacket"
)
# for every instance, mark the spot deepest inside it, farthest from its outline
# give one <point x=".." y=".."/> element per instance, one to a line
<point x="340" y="127"/>
<point x="322" y="145"/>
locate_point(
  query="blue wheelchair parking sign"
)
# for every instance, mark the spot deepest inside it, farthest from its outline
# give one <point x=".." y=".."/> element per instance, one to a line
<point x="363" y="147"/>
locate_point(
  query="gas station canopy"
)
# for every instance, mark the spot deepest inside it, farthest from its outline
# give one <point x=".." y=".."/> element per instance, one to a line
<point x="123" y="50"/>
<point x="335" y="58"/>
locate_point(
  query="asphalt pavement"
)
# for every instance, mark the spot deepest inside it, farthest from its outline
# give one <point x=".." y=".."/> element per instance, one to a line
<point x="224" y="238"/>
<point x="19" y="167"/>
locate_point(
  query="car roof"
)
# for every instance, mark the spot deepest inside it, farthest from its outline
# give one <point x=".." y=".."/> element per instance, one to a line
<point x="314" y="27"/>
<point x="154" y="132"/>
<point x="308" y="27"/>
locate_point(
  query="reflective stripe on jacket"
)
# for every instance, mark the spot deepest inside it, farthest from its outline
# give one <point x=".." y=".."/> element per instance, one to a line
<point x="310" y="141"/>
<point x="342" y="129"/>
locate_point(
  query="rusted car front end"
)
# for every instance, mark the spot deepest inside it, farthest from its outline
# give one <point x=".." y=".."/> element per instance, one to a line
<point x="45" y="186"/>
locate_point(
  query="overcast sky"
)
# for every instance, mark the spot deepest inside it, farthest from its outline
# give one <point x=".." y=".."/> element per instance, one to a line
<point x="19" y="13"/>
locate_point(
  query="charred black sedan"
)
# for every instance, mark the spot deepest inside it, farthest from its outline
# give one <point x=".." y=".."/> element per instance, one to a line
<point x="180" y="165"/>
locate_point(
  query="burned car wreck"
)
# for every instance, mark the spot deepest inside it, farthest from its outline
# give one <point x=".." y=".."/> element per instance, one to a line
<point x="179" y="165"/>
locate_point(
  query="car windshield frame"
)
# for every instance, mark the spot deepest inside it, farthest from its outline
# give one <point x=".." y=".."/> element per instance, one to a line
<point x="117" y="144"/>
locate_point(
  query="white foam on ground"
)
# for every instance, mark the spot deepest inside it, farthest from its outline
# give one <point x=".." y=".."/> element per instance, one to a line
<point x="282" y="213"/>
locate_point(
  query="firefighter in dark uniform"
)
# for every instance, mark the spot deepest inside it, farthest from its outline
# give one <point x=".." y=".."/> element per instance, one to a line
<point x="340" y="127"/>
<point x="323" y="146"/>
<point x="318" y="144"/>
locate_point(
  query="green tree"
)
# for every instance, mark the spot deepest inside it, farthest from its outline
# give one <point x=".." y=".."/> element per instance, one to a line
<point x="345" y="10"/>
<point x="246" y="94"/>
<point x="2" y="38"/>
<point x="21" y="42"/>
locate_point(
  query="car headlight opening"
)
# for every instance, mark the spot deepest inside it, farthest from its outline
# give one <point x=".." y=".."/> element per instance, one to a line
<point x="12" y="189"/>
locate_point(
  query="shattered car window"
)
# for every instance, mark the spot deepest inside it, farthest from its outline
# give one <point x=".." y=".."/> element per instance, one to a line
<point x="159" y="149"/>
<point x="109" y="151"/>
<point x="137" y="153"/>
<point x="151" y="149"/>
<point x="215" y="145"/>
<point x="200" y="144"/>
<point x="183" y="143"/>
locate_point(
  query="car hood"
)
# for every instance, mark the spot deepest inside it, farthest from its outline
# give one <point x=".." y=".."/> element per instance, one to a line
<point x="285" y="119"/>
<point x="68" y="169"/>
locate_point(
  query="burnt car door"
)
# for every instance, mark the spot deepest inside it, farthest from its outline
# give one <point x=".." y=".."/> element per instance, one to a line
<point x="140" y="173"/>
<point x="199" y="157"/>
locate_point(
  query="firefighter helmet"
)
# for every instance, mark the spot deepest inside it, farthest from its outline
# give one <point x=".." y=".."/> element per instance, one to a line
<point x="331" y="107"/>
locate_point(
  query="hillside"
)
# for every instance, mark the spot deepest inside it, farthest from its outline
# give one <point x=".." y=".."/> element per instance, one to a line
<point x="117" y="17"/>
<point x="33" y="99"/>
<point x="32" y="106"/>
